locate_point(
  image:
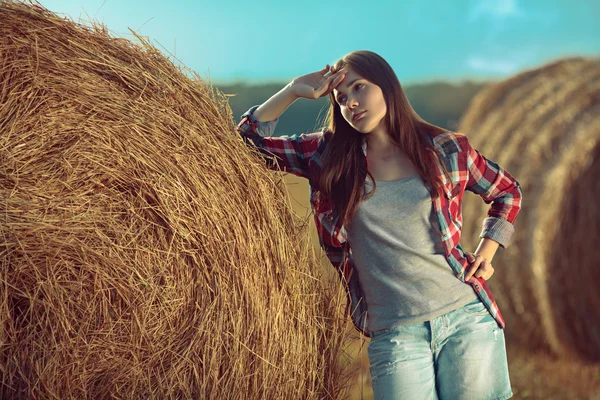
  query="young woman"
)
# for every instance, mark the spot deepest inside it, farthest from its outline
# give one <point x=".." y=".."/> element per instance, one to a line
<point x="386" y="191"/>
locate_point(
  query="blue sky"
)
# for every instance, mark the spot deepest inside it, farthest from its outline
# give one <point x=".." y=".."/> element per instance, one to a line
<point x="257" y="41"/>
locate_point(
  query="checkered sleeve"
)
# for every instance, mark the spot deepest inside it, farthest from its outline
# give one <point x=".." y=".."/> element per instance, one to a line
<point x="287" y="153"/>
<point x="497" y="186"/>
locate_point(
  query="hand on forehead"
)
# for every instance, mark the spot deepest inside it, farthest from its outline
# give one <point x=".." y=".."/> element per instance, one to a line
<point x="349" y="76"/>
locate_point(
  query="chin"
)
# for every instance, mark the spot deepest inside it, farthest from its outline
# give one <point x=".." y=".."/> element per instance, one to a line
<point x="363" y="129"/>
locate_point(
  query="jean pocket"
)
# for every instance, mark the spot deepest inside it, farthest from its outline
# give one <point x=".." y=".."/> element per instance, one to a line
<point x="476" y="307"/>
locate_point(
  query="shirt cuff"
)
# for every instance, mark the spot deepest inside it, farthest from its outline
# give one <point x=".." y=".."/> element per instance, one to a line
<point x="498" y="229"/>
<point x="264" y="129"/>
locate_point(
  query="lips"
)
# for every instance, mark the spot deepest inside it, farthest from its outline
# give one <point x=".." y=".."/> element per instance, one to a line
<point x="356" y="116"/>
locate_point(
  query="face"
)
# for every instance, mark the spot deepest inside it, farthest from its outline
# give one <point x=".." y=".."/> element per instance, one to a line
<point x="354" y="95"/>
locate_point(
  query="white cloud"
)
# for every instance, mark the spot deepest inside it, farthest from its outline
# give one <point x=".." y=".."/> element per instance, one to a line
<point x="492" y="66"/>
<point x="496" y="9"/>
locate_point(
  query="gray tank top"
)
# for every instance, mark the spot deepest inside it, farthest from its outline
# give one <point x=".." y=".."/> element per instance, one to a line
<point x="397" y="249"/>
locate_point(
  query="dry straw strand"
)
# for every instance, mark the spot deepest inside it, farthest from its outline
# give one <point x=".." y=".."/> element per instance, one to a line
<point x="539" y="125"/>
<point x="145" y="251"/>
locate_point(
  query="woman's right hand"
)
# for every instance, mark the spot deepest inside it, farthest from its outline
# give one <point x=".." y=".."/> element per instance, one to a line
<point x="316" y="84"/>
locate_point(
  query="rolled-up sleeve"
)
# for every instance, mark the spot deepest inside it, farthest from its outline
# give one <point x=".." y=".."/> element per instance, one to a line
<point x="252" y="125"/>
<point x="497" y="229"/>
<point x="497" y="186"/>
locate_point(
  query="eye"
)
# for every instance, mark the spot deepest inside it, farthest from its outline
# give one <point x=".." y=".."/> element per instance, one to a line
<point x="341" y="98"/>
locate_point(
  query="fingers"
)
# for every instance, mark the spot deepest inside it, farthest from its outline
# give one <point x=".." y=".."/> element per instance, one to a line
<point x="331" y="80"/>
<point x="470" y="257"/>
<point x="485" y="271"/>
<point x="474" y="265"/>
<point x="328" y="70"/>
<point x="480" y="267"/>
<point x="336" y="78"/>
<point x="330" y="83"/>
<point x="332" y="71"/>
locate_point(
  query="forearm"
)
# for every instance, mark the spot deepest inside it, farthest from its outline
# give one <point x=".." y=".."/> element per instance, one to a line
<point x="487" y="248"/>
<point x="276" y="105"/>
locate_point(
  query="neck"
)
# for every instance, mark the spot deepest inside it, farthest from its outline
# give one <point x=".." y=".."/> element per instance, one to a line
<point x="379" y="142"/>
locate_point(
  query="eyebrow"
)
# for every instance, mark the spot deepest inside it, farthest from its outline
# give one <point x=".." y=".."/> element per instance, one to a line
<point x="348" y="85"/>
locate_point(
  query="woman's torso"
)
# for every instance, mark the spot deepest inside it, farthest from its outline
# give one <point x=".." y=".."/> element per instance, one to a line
<point x="398" y="252"/>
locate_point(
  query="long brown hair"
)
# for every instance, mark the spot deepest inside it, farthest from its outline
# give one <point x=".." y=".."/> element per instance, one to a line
<point x="344" y="170"/>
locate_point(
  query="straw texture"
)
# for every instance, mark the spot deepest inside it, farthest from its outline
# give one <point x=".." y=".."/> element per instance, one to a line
<point x="145" y="252"/>
<point x="543" y="126"/>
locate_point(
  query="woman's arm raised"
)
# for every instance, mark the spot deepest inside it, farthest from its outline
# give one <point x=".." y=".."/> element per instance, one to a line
<point x="311" y="86"/>
<point x="292" y="153"/>
<point x="271" y="109"/>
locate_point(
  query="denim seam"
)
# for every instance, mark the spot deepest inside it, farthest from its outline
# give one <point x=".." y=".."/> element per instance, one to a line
<point x="506" y="396"/>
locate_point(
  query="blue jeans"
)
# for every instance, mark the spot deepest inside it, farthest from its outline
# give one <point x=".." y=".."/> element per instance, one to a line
<point x="457" y="355"/>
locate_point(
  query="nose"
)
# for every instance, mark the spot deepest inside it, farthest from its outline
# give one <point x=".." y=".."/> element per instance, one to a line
<point x="351" y="102"/>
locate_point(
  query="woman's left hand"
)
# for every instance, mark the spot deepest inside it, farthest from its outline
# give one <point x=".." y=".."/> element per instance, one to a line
<point x="480" y="267"/>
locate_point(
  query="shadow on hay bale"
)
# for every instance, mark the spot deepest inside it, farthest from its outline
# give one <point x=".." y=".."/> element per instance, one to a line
<point x="544" y="126"/>
<point x="146" y="252"/>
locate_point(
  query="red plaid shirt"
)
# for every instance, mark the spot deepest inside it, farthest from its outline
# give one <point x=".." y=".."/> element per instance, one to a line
<point x="301" y="155"/>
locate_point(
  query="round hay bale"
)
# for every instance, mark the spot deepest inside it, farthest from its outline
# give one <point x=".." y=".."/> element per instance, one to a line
<point x="543" y="126"/>
<point x="145" y="251"/>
